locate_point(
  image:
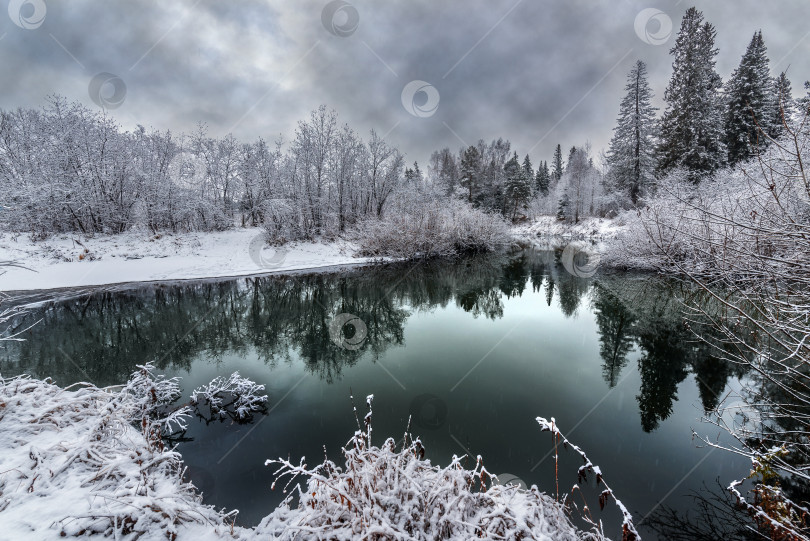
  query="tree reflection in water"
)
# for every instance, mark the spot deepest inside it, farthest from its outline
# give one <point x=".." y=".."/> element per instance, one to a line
<point x="101" y="336"/>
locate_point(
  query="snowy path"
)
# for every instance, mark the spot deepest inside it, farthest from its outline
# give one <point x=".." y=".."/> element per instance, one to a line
<point x="61" y="262"/>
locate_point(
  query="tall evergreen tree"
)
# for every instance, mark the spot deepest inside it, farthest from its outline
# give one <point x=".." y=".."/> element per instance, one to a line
<point x="563" y="207"/>
<point x="630" y="156"/>
<point x="518" y="188"/>
<point x="528" y="170"/>
<point x="749" y="103"/>
<point x="803" y="104"/>
<point x="783" y="106"/>
<point x="691" y="131"/>
<point x="542" y="179"/>
<point x="557" y="172"/>
<point x="413" y="176"/>
<point x="470" y="170"/>
<point x="571" y="153"/>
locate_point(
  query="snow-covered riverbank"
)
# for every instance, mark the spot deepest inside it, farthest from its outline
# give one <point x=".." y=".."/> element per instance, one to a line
<point x="596" y="229"/>
<point x="67" y="261"/>
<point x="71" y="261"/>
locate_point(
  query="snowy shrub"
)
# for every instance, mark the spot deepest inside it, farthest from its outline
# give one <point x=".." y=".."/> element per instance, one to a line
<point x="74" y="463"/>
<point x="389" y="493"/>
<point x="235" y="396"/>
<point x="432" y="230"/>
<point x="152" y="398"/>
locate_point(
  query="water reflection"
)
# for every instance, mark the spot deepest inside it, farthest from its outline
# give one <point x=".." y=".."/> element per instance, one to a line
<point x="471" y="350"/>
<point x="102" y="336"/>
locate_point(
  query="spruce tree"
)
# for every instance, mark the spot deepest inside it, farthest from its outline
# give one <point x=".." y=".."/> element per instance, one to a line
<point x="571" y="154"/>
<point x="417" y="173"/>
<point x="782" y="105"/>
<point x="630" y="156"/>
<point x="563" y="207"/>
<point x="749" y="103"/>
<point x="542" y="179"/>
<point x="557" y="172"/>
<point x="804" y="102"/>
<point x="518" y="186"/>
<point x="691" y="130"/>
<point x="528" y="170"/>
<point x="470" y="169"/>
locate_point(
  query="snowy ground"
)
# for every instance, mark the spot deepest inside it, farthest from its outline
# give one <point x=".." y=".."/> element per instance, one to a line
<point x="596" y="229"/>
<point x="62" y="262"/>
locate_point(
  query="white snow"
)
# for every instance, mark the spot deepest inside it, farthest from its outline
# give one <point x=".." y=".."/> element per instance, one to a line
<point x="588" y="228"/>
<point x="61" y="261"/>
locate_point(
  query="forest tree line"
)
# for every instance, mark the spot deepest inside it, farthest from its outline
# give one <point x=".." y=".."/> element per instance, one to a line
<point x="707" y="125"/>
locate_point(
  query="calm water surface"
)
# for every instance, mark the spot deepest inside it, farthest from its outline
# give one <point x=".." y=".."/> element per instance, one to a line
<point x="473" y="350"/>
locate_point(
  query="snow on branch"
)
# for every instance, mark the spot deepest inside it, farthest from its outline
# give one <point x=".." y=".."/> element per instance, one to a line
<point x="234" y="396"/>
<point x="629" y="532"/>
<point x="385" y="492"/>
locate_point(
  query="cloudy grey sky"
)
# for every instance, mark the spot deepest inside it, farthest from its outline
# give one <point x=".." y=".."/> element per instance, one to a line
<point x="537" y="72"/>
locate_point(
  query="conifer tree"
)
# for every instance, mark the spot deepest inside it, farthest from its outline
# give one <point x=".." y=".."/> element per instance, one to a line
<point x="783" y="107"/>
<point x="470" y="169"/>
<point x="528" y="170"/>
<point x="557" y="172"/>
<point x="630" y="156"/>
<point x="563" y="207"/>
<point x="804" y="102"/>
<point x="691" y="130"/>
<point x="542" y="179"/>
<point x="749" y="99"/>
<point x="571" y="154"/>
<point x="518" y="185"/>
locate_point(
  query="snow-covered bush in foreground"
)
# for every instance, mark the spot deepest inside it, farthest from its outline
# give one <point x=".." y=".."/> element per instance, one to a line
<point x="91" y="461"/>
<point x="385" y="493"/>
<point x="235" y="396"/>
<point x="76" y="463"/>
<point x="432" y="230"/>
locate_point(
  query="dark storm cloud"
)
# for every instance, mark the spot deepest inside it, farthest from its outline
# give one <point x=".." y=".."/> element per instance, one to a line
<point x="549" y="72"/>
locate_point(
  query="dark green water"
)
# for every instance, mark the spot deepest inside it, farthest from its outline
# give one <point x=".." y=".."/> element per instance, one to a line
<point x="473" y="350"/>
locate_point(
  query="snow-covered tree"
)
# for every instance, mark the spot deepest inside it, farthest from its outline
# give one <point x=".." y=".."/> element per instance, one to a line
<point x="470" y="172"/>
<point x="691" y="130"/>
<point x="542" y="179"/>
<point x="528" y="170"/>
<point x="783" y="106"/>
<point x="518" y="187"/>
<point x="557" y="164"/>
<point x="630" y="156"/>
<point x="749" y="103"/>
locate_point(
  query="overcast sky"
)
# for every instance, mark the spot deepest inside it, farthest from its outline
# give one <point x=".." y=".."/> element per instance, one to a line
<point x="538" y="72"/>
